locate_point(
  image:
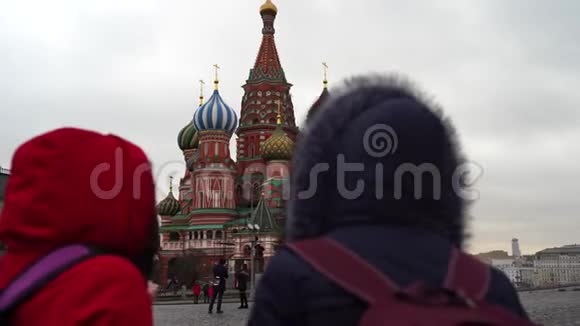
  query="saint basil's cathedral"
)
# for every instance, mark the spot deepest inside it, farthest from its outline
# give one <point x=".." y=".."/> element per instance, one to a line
<point x="226" y="207"/>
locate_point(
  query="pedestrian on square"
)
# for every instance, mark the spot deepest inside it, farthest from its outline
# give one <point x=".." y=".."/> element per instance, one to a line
<point x="196" y="292"/>
<point x="210" y="292"/>
<point x="242" y="278"/>
<point x="360" y="233"/>
<point x="220" y="274"/>
<point x="205" y="290"/>
<point x="80" y="224"/>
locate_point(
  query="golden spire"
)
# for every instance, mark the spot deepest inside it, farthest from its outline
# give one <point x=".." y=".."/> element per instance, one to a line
<point x="216" y="80"/>
<point x="268" y="5"/>
<point x="171" y="184"/>
<point x="279" y="116"/>
<point x="201" y="83"/>
<point x="325" y="81"/>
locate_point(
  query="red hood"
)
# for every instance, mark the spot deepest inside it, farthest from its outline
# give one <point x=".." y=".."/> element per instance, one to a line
<point x="57" y="195"/>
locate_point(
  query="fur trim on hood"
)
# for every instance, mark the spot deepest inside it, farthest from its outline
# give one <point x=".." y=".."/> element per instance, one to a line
<point x="377" y="151"/>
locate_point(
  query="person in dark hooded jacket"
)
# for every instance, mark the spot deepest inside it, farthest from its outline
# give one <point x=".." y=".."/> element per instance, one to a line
<point x="71" y="186"/>
<point x="402" y="228"/>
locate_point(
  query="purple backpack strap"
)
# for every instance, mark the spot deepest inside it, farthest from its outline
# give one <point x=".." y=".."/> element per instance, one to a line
<point x="345" y="268"/>
<point x="468" y="276"/>
<point x="40" y="273"/>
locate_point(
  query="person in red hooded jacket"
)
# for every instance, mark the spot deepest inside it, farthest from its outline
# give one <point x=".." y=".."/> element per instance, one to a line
<point x="196" y="292"/>
<point x="72" y="186"/>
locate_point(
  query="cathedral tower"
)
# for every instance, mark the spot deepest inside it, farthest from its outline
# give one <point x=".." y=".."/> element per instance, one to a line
<point x="214" y="171"/>
<point x="265" y="87"/>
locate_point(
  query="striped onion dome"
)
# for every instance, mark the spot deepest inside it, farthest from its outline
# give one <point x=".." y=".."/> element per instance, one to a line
<point x="278" y="146"/>
<point x="168" y="206"/>
<point x="188" y="138"/>
<point x="215" y="114"/>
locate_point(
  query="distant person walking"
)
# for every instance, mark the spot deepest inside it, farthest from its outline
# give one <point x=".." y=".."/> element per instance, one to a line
<point x="377" y="220"/>
<point x="205" y="290"/>
<point x="80" y="241"/>
<point x="210" y="292"/>
<point x="242" y="278"/>
<point x="220" y="274"/>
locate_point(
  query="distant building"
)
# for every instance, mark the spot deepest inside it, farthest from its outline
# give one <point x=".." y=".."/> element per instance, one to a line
<point x="487" y="257"/>
<point x="550" y="267"/>
<point x="516" y="248"/>
<point x="520" y="271"/>
<point x="558" y="266"/>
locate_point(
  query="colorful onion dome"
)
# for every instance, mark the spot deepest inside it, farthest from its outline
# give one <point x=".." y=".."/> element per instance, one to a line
<point x="168" y="206"/>
<point x="188" y="138"/>
<point x="268" y="6"/>
<point x="215" y="114"/>
<point x="278" y="146"/>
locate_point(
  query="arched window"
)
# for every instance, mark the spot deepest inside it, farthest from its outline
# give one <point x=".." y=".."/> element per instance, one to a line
<point x="235" y="231"/>
<point x="195" y="235"/>
<point x="190" y="235"/>
<point x="173" y="236"/>
<point x="218" y="234"/>
<point x="209" y="234"/>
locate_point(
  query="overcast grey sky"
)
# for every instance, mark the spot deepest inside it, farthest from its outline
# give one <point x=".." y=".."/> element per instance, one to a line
<point x="507" y="72"/>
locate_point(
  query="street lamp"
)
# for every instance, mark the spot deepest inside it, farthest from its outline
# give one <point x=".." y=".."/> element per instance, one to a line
<point x="254" y="229"/>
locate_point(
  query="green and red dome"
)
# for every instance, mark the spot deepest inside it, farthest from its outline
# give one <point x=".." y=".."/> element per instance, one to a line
<point x="168" y="206"/>
<point x="278" y="147"/>
<point x="188" y="137"/>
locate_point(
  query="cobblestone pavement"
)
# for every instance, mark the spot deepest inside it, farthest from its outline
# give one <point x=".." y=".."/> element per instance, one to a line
<point x="196" y="315"/>
<point x="551" y="307"/>
<point x="548" y="307"/>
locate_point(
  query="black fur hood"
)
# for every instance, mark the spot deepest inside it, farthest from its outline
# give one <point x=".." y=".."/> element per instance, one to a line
<point x="355" y="160"/>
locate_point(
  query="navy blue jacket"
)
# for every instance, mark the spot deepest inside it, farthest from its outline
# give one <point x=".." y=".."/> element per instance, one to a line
<point x="291" y="292"/>
<point x="220" y="272"/>
<point x="370" y="122"/>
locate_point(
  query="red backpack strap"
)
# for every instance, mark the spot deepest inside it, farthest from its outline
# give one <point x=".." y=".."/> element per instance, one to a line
<point x="344" y="268"/>
<point x="467" y="275"/>
<point x="41" y="273"/>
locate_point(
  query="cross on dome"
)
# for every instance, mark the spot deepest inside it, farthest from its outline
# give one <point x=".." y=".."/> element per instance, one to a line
<point x="216" y="80"/>
<point x="201" y="84"/>
<point x="325" y="81"/>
